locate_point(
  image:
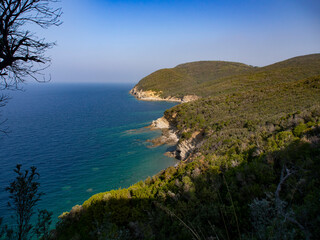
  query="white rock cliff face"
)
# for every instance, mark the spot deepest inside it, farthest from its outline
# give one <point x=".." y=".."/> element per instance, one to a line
<point x="155" y="96"/>
<point x="160" y="123"/>
<point x="170" y="135"/>
<point x="185" y="148"/>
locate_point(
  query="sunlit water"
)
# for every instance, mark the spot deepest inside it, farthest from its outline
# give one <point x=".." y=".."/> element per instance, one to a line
<point x="83" y="138"/>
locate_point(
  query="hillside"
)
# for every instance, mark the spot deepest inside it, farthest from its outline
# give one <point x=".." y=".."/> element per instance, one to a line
<point x="250" y="161"/>
<point x="217" y="77"/>
<point x="182" y="79"/>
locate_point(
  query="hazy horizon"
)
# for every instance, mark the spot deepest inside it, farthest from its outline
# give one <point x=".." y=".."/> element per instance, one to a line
<point x="123" y="41"/>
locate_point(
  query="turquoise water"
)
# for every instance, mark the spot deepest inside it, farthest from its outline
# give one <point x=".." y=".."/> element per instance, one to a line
<point x="83" y="138"/>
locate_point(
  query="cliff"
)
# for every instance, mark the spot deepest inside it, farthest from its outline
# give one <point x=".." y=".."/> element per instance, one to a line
<point x="150" y="95"/>
<point x="183" y="149"/>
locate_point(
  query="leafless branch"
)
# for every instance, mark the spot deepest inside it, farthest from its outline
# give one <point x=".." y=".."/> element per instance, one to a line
<point x="22" y="54"/>
<point x="285" y="174"/>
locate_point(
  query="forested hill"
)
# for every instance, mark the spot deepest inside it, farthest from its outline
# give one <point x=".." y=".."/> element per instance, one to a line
<point x="250" y="160"/>
<point x="207" y="78"/>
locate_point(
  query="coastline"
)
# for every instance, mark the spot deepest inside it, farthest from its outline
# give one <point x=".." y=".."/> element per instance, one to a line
<point x="90" y="148"/>
<point x="227" y="144"/>
<point x="155" y="96"/>
<point x="180" y="149"/>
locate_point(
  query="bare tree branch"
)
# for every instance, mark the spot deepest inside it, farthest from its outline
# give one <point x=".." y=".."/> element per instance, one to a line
<point x="285" y="174"/>
<point x="22" y="54"/>
<point x="283" y="178"/>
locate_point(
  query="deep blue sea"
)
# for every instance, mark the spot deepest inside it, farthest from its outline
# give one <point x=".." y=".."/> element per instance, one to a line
<point x="83" y="139"/>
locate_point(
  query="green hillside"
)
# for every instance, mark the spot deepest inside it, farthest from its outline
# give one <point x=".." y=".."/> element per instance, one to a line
<point x="182" y="79"/>
<point x="293" y="69"/>
<point x="254" y="173"/>
<point x="216" y="77"/>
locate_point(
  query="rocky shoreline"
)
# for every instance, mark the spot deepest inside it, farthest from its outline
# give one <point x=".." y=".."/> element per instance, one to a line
<point x="155" y="96"/>
<point x="180" y="149"/>
<point x="169" y="133"/>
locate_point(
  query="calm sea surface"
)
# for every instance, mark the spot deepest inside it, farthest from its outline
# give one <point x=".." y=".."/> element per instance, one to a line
<point x="83" y="138"/>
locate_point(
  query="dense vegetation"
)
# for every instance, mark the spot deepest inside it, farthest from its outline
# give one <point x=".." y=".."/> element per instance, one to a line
<point x="217" y="77"/>
<point x="183" y="79"/>
<point x="254" y="175"/>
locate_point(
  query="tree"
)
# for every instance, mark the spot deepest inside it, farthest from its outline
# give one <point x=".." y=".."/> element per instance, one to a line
<point x="21" y="50"/>
<point x="24" y="196"/>
<point x="22" y="53"/>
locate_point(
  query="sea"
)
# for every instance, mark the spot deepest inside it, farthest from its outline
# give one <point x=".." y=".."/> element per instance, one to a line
<point x="82" y="138"/>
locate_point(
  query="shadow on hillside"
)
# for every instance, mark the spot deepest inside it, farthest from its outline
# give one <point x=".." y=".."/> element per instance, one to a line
<point x="199" y="199"/>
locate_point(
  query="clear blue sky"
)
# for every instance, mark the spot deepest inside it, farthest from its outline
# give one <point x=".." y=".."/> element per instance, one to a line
<point x="123" y="41"/>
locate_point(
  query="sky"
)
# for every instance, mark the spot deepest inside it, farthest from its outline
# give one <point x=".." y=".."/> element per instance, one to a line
<point x="123" y="41"/>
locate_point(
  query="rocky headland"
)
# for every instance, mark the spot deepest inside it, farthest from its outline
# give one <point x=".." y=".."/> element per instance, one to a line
<point x="150" y="95"/>
<point x="181" y="149"/>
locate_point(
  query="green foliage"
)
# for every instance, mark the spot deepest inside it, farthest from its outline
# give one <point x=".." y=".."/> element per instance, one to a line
<point x="298" y="130"/>
<point x="182" y="79"/>
<point x="208" y="78"/>
<point x="269" y="220"/>
<point x="186" y="135"/>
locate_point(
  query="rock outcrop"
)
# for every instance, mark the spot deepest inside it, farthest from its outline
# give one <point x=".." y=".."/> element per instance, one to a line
<point x="186" y="148"/>
<point x="182" y="149"/>
<point x="160" y="123"/>
<point x="156" y="96"/>
<point x="169" y="134"/>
